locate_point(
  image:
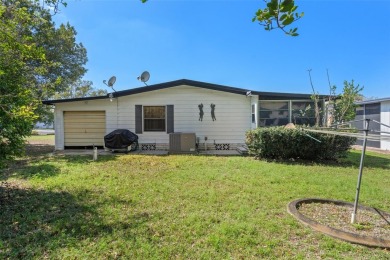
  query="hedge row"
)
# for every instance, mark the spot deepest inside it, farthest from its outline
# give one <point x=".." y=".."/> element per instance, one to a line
<point x="283" y="143"/>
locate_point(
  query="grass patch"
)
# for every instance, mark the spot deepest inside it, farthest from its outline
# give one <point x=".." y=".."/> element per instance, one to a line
<point x="362" y="226"/>
<point x="40" y="138"/>
<point x="186" y="207"/>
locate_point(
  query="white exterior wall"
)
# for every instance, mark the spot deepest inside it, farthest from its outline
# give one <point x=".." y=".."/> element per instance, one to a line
<point x="385" y="119"/>
<point x="232" y="111"/>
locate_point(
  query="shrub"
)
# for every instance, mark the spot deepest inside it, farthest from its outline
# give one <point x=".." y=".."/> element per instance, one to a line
<point x="34" y="132"/>
<point x="283" y="143"/>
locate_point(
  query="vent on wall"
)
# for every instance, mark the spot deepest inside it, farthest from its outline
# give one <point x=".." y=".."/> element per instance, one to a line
<point x="182" y="142"/>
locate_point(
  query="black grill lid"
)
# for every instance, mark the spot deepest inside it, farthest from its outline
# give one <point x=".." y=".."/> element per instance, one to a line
<point x="120" y="139"/>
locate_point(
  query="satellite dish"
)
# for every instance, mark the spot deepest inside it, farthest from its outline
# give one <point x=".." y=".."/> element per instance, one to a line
<point x="144" y="77"/>
<point x="111" y="82"/>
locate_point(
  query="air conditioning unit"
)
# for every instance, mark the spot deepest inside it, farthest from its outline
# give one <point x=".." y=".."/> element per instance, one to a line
<point x="182" y="142"/>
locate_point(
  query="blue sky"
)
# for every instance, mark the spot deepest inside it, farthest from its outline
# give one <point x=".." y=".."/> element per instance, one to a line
<point x="215" y="41"/>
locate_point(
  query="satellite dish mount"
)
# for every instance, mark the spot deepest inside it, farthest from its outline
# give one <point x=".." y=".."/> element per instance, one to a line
<point x="110" y="83"/>
<point x="144" y="77"/>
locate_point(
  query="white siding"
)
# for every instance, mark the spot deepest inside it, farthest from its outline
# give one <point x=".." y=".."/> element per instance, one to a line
<point x="232" y="111"/>
<point x="385" y="119"/>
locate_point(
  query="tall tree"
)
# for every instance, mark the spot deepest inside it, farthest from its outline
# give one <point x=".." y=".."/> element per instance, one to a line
<point x="36" y="60"/>
<point x="17" y="101"/>
<point x="80" y="89"/>
<point x="341" y="107"/>
<point x="344" y="106"/>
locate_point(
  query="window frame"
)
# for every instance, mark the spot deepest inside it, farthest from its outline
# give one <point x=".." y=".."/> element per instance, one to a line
<point x="260" y="110"/>
<point x="145" y="129"/>
<point x="290" y="110"/>
<point x="253" y="112"/>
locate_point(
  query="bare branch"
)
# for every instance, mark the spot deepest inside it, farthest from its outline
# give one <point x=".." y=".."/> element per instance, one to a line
<point x="315" y="99"/>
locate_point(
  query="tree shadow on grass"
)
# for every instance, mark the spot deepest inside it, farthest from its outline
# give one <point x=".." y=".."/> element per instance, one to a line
<point x="35" y="223"/>
<point x="43" y="170"/>
<point x="40" y="167"/>
<point x="35" y="150"/>
<point x="370" y="160"/>
<point x="82" y="159"/>
<point x="41" y="152"/>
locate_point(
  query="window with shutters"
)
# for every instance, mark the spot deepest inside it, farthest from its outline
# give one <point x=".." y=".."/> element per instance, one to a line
<point x="154" y="118"/>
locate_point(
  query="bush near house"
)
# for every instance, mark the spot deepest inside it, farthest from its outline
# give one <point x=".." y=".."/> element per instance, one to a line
<point x="284" y="143"/>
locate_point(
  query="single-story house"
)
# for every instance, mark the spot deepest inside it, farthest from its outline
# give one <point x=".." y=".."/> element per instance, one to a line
<point x="378" y="110"/>
<point x="218" y="115"/>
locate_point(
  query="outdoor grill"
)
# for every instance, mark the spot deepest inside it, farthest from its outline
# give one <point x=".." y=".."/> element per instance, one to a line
<point x="121" y="139"/>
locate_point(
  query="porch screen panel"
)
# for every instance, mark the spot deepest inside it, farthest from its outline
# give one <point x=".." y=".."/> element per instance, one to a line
<point x="303" y="112"/>
<point x="373" y="112"/>
<point x="359" y="116"/>
<point x="274" y="113"/>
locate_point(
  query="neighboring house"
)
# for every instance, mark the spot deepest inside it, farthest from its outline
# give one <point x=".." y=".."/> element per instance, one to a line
<point x="218" y="115"/>
<point x="41" y="125"/>
<point x="378" y="110"/>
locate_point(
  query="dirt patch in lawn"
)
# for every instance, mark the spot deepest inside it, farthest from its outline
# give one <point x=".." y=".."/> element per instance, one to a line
<point x="333" y="218"/>
<point x="39" y="146"/>
<point x="369" y="223"/>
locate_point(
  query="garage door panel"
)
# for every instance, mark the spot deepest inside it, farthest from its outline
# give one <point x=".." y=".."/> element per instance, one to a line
<point x="82" y="113"/>
<point x="85" y="120"/>
<point x="83" y="135"/>
<point x="75" y="130"/>
<point x="70" y="126"/>
<point x="84" y="128"/>
<point x="83" y="144"/>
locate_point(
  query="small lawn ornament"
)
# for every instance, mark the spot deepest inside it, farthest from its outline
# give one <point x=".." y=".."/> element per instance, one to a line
<point x="201" y="113"/>
<point x="213" y="112"/>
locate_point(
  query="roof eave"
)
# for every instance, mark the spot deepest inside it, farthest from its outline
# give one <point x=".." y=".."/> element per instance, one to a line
<point x="180" y="82"/>
<point x="156" y="87"/>
<point x="378" y="100"/>
<point x="53" y="102"/>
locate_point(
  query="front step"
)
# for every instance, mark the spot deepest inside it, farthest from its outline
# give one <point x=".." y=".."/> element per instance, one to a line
<point x="242" y="150"/>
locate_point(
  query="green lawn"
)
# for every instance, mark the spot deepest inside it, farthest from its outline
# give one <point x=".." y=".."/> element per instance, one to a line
<point x="49" y="139"/>
<point x="185" y="207"/>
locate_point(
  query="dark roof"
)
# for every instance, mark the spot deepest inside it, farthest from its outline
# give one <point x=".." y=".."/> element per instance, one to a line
<point x="193" y="83"/>
<point x="371" y="101"/>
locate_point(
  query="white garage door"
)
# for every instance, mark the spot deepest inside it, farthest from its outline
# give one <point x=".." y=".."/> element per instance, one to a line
<point x="84" y="128"/>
